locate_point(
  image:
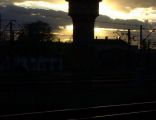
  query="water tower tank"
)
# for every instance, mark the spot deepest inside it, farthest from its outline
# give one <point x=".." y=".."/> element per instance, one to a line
<point x="83" y="13"/>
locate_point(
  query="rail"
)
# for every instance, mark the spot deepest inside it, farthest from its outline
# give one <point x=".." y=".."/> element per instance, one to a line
<point x="112" y="112"/>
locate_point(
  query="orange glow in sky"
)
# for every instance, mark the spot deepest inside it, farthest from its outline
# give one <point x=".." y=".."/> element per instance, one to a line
<point x="65" y="33"/>
<point x="105" y="9"/>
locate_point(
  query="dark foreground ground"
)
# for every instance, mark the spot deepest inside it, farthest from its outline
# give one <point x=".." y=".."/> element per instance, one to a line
<point x="36" y="92"/>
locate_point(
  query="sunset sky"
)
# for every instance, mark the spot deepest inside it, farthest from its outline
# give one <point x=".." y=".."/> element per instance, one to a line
<point x="122" y="11"/>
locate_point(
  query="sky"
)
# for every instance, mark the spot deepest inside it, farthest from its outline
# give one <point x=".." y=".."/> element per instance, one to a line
<point x="124" y="9"/>
<point x="55" y="12"/>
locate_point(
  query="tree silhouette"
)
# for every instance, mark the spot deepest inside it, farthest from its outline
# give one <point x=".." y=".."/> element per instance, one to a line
<point x="37" y="32"/>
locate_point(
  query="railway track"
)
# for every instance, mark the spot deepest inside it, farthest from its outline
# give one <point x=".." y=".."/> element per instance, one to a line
<point x="138" y="111"/>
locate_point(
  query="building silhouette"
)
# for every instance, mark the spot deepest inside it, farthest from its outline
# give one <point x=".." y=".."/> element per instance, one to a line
<point x="83" y="13"/>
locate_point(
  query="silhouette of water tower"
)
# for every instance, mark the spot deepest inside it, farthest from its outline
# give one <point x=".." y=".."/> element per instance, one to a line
<point x="83" y="13"/>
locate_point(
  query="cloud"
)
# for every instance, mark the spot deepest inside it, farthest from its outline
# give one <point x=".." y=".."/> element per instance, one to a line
<point x="5" y="3"/>
<point x="57" y="18"/>
<point x="127" y="5"/>
<point x="120" y="5"/>
<point x="12" y="1"/>
<point x="107" y="22"/>
<point x="23" y="15"/>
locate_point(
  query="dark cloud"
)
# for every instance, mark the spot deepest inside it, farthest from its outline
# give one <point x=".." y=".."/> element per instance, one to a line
<point x="56" y="18"/>
<point x="23" y="15"/>
<point x="107" y="22"/>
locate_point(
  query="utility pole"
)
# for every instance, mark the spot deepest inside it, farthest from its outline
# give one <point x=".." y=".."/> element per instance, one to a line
<point x="129" y="37"/>
<point x="0" y="26"/>
<point x="141" y="37"/>
<point x="0" y="22"/>
<point x="11" y="47"/>
<point x="11" y="31"/>
<point x="129" y="53"/>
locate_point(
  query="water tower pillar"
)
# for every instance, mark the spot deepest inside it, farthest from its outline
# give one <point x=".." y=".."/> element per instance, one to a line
<point x="83" y="13"/>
